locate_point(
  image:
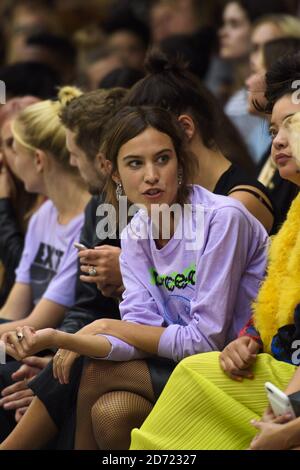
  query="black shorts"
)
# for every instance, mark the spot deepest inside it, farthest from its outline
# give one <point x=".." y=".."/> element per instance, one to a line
<point x="160" y="370"/>
<point x="60" y="400"/>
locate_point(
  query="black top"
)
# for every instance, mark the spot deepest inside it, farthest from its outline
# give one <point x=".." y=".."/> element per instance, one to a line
<point x="90" y="304"/>
<point x="236" y="176"/>
<point x="283" y="192"/>
<point x="11" y="246"/>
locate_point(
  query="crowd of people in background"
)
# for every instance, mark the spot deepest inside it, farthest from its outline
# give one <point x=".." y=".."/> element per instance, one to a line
<point x="149" y="215"/>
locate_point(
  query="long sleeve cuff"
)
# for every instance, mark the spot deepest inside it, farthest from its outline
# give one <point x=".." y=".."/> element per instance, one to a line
<point x="121" y="351"/>
<point x="250" y="331"/>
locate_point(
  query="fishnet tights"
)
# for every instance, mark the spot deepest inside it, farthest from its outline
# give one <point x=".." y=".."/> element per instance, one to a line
<point x="114" y="415"/>
<point x="113" y="398"/>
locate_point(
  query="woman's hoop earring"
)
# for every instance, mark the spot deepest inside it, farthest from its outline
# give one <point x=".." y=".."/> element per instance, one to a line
<point x="119" y="191"/>
<point x="180" y="178"/>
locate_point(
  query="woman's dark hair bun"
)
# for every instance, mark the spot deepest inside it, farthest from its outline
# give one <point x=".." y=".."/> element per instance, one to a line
<point x="158" y="62"/>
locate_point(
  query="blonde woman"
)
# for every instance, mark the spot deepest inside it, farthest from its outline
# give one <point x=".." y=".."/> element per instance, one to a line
<point x="16" y="204"/>
<point x="270" y="27"/>
<point x="45" y="278"/>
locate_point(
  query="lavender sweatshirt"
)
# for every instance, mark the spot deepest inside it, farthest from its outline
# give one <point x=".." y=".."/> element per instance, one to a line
<point x="49" y="260"/>
<point x="201" y="295"/>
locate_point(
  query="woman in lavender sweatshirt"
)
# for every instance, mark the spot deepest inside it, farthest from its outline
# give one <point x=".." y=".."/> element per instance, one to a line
<point x="186" y="292"/>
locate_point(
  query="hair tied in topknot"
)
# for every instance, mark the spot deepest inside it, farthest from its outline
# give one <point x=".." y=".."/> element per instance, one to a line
<point x="158" y="62"/>
<point x="67" y="93"/>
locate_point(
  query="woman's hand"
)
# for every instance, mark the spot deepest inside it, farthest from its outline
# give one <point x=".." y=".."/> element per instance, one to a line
<point x="273" y="435"/>
<point x="19" y="396"/>
<point x="237" y="358"/>
<point x="20" y="413"/>
<point x="62" y="364"/>
<point x="111" y="291"/>
<point x="105" y="260"/>
<point x="25" y="341"/>
<point x="268" y="416"/>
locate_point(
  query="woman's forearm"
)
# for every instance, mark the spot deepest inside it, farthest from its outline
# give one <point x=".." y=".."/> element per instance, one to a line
<point x="143" y="337"/>
<point x="85" y="345"/>
<point x="11" y="325"/>
<point x="291" y="434"/>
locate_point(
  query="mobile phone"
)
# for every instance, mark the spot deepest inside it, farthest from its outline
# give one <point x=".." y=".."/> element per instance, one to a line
<point x="279" y="401"/>
<point x="80" y="246"/>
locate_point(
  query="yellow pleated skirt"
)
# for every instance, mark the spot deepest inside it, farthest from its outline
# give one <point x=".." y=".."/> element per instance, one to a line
<point x="202" y="409"/>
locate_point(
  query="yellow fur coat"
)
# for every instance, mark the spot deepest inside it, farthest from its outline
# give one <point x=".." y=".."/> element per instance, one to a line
<point x="280" y="292"/>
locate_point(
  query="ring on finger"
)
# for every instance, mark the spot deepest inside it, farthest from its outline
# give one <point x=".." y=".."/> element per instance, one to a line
<point x="20" y="335"/>
<point x="92" y="272"/>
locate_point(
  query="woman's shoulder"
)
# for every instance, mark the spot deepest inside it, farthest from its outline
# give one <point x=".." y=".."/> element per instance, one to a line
<point x="41" y="221"/>
<point x="211" y="201"/>
<point x="44" y="211"/>
<point x="225" y="210"/>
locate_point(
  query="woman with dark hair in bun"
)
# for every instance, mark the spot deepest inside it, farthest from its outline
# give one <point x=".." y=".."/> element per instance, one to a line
<point x="224" y="164"/>
<point x="184" y="290"/>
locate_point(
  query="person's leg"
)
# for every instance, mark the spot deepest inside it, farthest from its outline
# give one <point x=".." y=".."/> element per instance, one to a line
<point x="114" y="415"/>
<point x="47" y="414"/>
<point x="7" y="423"/>
<point x="7" y="418"/>
<point x="60" y="402"/>
<point x="125" y="395"/>
<point x="201" y="408"/>
<point x="35" y="429"/>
